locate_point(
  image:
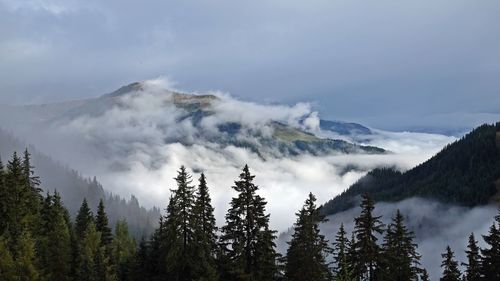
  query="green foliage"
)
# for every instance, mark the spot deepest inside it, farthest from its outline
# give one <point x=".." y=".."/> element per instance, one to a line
<point x="490" y="267"/>
<point x="450" y="267"/>
<point x="7" y="264"/>
<point x="463" y="173"/>
<point x="247" y="241"/>
<point x="102" y="225"/>
<point x="122" y="250"/>
<point x="400" y="259"/>
<point x="473" y="270"/>
<point x="367" y="226"/>
<point x="306" y="256"/>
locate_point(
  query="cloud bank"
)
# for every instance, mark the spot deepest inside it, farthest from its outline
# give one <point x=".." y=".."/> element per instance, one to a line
<point x="136" y="143"/>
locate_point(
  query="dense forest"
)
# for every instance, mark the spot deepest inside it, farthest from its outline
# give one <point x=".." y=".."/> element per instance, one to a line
<point x="465" y="172"/>
<point x="72" y="187"/>
<point x="40" y="241"/>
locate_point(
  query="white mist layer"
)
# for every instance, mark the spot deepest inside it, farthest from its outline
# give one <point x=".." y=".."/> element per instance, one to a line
<point x="133" y="147"/>
<point x="436" y="226"/>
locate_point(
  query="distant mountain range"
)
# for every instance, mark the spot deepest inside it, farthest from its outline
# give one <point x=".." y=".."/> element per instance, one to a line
<point x="285" y="139"/>
<point x="466" y="172"/>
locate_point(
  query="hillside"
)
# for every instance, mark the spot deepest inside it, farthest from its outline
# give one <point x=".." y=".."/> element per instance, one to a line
<point x="73" y="188"/>
<point x="195" y="113"/>
<point x="466" y="172"/>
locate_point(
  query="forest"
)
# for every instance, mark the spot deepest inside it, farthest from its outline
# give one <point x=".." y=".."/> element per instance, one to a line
<point x="39" y="240"/>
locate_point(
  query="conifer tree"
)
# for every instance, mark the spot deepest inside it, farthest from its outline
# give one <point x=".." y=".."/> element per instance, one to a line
<point x="247" y="242"/>
<point x="141" y="268"/>
<point x="24" y="258"/>
<point x="7" y="264"/>
<point x="16" y="209"/>
<point x="123" y="250"/>
<point x="353" y="265"/>
<point x="424" y="276"/>
<point x="83" y="219"/>
<point x="473" y="270"/>
<point x="400" y="259"/>
<point x="178" y="232"/>
<point x="340" y="258"/>
<point x="490" y="265"/>
<point x="450" y="266"/>
<point x="306" y="256"/>
<point x="102" y="225"/>
<point x="205" y="236"/>
<point x="367" y="227"/>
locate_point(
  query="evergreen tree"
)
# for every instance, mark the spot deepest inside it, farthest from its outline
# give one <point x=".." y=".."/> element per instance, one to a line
<point x="305" y="259"/>
<point x="352" y="258"/>
<point x="490" y="265"/>
<point x="340" y="255"/>
<point x="83" y="219"/>
<point x="123" y="250"/>
<point x="141" y="268"/>
<point x="366" y="228"/>
<point x="473" y="270"/>
<point x="177" y="239"/>
<point x="205" y="233"/>
<point x="400" y="259"/>
<point x="424" y="276"/>
<point x="450" y="267"/>
<point x="247" y="243"/>
<point x="102" y="225"/>
<point x="7" y="264"/>
<point x="93" y="265"/>
<point x="24" y="258"/>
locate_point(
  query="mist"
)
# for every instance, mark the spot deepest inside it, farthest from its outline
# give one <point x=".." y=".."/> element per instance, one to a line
<point x="136" y="144"/>
<point x="436" y="225"/>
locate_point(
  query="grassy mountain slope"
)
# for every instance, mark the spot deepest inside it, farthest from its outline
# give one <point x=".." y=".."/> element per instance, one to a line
<point x="466" y="172"/>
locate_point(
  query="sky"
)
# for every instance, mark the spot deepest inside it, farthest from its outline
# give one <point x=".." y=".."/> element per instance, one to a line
<point x="394" y="65"/>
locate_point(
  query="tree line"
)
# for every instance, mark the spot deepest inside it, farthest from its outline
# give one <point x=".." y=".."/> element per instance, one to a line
<point x="39" y="240"/>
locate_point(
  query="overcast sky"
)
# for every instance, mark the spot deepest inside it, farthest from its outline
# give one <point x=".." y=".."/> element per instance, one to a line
<point x="387" y="64"/>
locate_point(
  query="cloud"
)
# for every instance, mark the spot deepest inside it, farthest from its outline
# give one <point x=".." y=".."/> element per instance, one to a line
<point x="137" y="143"/>
<point x="436" y="226"/>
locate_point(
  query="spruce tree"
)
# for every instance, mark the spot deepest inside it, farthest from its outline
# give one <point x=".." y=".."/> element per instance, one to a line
<point x="7" y="264"/>
<point x="400" y="259"/>
<point x="141" y="268"/>
<point x="205" y="235"/>
<point x="490" y="265"/>
<point x="450" y="266"/>
<point x="83" y="218"/>
<point x="473" y="270"/>
<point x="25" y="257"/>
<point x="366" y="228"/>
<point x="247" y="242"/>
<point x="353" y="265"/>
<point x="123" y="250"/>
<point x="178" y="234"/>
<point x="102" y="225"/>
<point x="340" y="255"/>
<point x="424" y="276"/>
<point x="306" y="256"/>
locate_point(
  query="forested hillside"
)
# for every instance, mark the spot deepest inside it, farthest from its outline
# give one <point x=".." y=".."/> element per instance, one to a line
<point x="39" y="241"/>
<point x="465" y="172"/>
<point x="72" y="188"/>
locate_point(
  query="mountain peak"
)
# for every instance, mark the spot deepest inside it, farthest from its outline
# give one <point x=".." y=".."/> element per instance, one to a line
<point x="132" y="87"/>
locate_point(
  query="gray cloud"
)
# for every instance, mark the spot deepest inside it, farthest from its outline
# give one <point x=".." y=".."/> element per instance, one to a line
<point x="389" y="65"/>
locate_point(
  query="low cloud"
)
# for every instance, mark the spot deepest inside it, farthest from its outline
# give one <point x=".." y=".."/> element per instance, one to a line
<point x="136" y="144"/>
<point x="436" y="226"/>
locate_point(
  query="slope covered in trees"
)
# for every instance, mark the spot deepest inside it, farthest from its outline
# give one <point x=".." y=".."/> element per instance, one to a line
<point x="72" y="188"/>
<point x="464" y="173"/>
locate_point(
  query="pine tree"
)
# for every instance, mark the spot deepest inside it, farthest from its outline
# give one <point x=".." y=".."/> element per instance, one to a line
<point x="490" y="265"/>
<point x="424" y="276"/>
<point x="24" y="258"/>
<point x="353" y="265"/>
<point x="340" y="255"/>
<point x="123" y="250"/>
<point x="93" y="265"/>
<point x="102" y="225"/>
<point x="83" y="219"/>
<point x="204" y="233"/>
<point x="450" y="267"/>
<point x="7" y="264"/>
<point x="366" y="228"/>
<point x="247" y="243"/>
<point x="16" y="209"/>
<point x="178" y="233"/>
<point x="306" y="256"/>
<point x="141" y="268"/>
<point x="400" y="259"/>
<point x="473" y="270"/>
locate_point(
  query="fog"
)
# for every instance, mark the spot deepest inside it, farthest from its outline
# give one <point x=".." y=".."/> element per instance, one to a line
<point x="136" y="144"/>
<point x="436" y="226"/>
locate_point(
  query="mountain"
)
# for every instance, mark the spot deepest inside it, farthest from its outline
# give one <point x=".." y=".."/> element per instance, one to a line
<point x="73" y="188"/>
<point x="466" y="172"/>
<point x="270" y="138"/>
